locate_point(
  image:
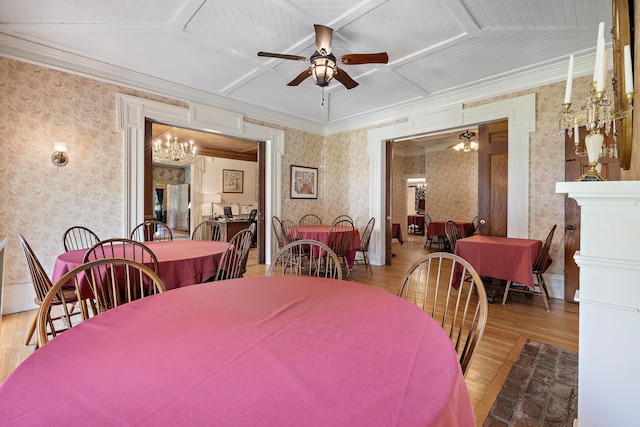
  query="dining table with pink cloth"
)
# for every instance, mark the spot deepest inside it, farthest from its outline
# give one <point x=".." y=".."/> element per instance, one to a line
<point x="321" y="233"/>
<point x="396" y="232"/>
<point x="504" y="258"/>
<point x="180" y="262"/>
<point x="437" y="228"/>
<point x="270" y="351"/>
<point x="417" y="221"/>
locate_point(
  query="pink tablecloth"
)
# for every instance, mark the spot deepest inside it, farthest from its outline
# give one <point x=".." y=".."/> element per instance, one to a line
<point x="180" y="262"/>
<point x="320" y="233"/>
<point x="501" y="257"/>
<point x="269" y="351"/>
<point x="396" y="232"/>
<point x="436" y="228"/>
<point x="416" y="220"/>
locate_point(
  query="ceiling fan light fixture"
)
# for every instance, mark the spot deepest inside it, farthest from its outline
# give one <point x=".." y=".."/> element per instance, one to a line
<point x="469" y="142"/>
<point x="323" y="69"/>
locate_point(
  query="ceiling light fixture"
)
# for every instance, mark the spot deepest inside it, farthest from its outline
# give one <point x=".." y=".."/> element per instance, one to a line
<point x="174" y="150"/>
<point x="322" y="68"/>
<point x="469" y="142"/>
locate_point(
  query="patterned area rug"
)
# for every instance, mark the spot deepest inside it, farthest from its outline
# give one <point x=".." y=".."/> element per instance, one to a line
<point x="540" y="390"/>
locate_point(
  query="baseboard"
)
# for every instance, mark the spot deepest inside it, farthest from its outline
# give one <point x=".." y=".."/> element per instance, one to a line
<point x="555" y="285"/>
<point x="18" y="298"/>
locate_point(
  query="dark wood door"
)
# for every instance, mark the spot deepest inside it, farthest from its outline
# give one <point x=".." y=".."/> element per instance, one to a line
<point x="389" y="197"/>
<point x="262" y="179"/>
<point x="575" y="166"/>
<point x="493" y="160"/>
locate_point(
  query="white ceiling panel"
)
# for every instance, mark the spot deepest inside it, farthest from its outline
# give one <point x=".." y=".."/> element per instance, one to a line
<point x="375" y="92"/>
<point x="539" y="13"/>
<point x="468" y="61"/>
<point x="96" y="12"/>
<point x="274" y="94"/>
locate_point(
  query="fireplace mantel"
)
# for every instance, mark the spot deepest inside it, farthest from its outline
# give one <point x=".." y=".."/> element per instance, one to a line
<point x="609" y="296"/>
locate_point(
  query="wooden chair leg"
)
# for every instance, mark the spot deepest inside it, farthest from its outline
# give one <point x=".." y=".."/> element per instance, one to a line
<point x="367" y="263"/>
<point x="543" y="291"/>
<point x="506" y="292"/>
<point x="32" y="329"/>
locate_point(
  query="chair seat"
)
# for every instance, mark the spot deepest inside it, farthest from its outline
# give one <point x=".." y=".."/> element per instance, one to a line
<point x="69" y="295"/>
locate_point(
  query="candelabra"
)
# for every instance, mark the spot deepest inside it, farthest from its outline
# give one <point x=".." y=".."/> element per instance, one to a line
<point x="598" y="115"/>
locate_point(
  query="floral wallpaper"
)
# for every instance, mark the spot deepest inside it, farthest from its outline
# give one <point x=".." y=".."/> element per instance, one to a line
<point x="452" y="185"/>
<point x="169" y="175"/>
<point x="347" y="171"/>
<point x="40" y="106"/>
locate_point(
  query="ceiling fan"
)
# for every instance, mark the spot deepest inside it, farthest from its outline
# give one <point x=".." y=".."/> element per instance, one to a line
<point x="324" y="65"/>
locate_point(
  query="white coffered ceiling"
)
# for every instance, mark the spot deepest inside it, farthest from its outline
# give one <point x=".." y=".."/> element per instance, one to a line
<point x="209" y="46"/>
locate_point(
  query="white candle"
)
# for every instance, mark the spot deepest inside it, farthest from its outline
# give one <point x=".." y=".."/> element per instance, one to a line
<point x="596" y="66"/>
<point x="628" y="73"/>
<point x="567" y="93"/>
<point x="605" y="66"/>
<point x="576" y="134"/>
<point x="600" y="31"/>
<point x="601" y="61"/>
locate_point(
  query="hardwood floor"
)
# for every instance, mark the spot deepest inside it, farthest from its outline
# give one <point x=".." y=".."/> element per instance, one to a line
<point x="506" y="328"/>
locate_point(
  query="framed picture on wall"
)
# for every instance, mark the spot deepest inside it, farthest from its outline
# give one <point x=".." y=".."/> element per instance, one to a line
<point x="304" y="182"/>
<point x="232" y="181"/>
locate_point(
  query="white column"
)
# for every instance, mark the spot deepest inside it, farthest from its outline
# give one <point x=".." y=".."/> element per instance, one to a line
<point x="609" y="296"/>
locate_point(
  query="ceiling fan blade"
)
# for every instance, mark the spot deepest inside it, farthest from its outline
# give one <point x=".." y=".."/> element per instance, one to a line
<point x="323" y="38"/>
<point x="300" y="78"/>
<point x="282" y="56"/>
<point x="365" y="58"/>
<point x="344" y="78"/>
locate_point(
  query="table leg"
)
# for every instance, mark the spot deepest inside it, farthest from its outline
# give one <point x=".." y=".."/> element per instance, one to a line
<point x="494" y="287"/>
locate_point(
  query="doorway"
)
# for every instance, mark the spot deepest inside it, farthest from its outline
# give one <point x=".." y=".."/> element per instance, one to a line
<point x="185" y="183"/>
<point x="132" y="113"/>
<point x="520" y="113"/>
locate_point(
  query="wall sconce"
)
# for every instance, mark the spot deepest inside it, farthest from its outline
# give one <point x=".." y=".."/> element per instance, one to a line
<point x="59" y="157"/>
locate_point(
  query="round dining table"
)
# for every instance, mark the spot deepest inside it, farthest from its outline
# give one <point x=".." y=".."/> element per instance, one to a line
<point x="320" y="233"/>
<point x="180" y="262"/>
<point x="262" y="351"/>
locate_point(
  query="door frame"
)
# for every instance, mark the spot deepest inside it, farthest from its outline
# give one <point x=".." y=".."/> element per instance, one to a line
<point x="132" y="113"/>
<point x="521" y="114"/>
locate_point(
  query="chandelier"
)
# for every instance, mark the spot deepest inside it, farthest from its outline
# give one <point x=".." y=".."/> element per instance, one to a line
<point x="469" y="142"/>
<point x="174" y="150"/>
<point x="598" y="115"/>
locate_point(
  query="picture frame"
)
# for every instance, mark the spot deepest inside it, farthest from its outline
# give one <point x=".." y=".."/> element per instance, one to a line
<point x="304" y="182"/>
<point x="232" y="181"/>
